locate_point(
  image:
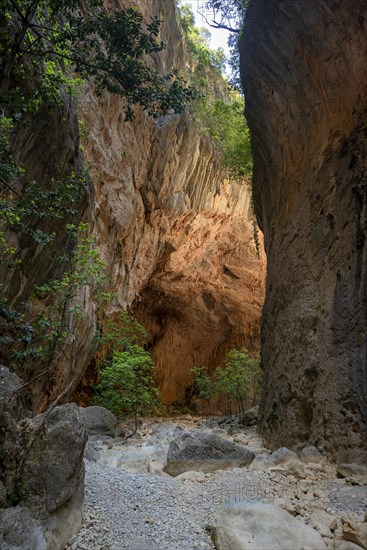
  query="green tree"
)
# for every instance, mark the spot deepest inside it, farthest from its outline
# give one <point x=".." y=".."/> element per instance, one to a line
<point x="124" y="332"/>
<point x="46" y="39"/>
<point x="226" y="123"/>
<point x="45" y="46"/>
<point x="198" y="44"/>
<point x="204" y="384"/>
<point x="240" y="379"/>
<point x="127" y="383"/>
<point x="229" y="15"/>
<point x="34" y="338"/>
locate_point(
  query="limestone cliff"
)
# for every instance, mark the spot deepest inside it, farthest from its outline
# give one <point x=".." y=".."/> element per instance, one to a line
<point x="305" y="75"/>
<point x="176" y="234"/>
<point x="174" y="231"/>
<point x="177" y="237"/>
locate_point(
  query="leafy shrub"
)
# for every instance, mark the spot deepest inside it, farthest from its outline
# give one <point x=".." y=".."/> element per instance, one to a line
<point x="240" y="380"/>
<point x="204" y="384"/>
<point x="198" y="40"/>
<point x="127" y="383"/>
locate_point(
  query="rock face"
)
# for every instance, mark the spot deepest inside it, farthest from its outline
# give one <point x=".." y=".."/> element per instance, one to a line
<point x="253" y="525"/>
<point x="175" y="233"/>
<point x="204" y="452"/>
<point x="41" y="469"/>
<point x="305" y="79"/>
<point x="53" y="473"/>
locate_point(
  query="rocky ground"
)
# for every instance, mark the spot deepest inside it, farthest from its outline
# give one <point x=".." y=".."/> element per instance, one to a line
<point x="131" y="503"/>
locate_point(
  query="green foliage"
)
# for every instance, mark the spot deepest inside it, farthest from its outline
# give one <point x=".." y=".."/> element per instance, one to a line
<point x="127" y="383"/>
<point x="123" y="333"/>
<point x="223" y="120"/>
<point x="226" y="123"/>
<point x="43" y="43"/>
<point x="34" y="339"/>
<point x="240" y="380"/>
<point x="203" y="384"/>
<point x="226" y="14"/>
<point x="46" y="39"/>
<point x="230" y="15"/>
<point x="19" y="213"/>
<point x="198" y="40"/>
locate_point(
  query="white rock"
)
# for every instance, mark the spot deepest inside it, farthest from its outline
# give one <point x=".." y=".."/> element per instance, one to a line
<point x="323" y="522"/>
<point x="347" y="545"/>
<point x="262" y="462"/>
<point x="283" y="456"/>
<point x="254" y="526"/>
<point x="190" y="475"/>
<point x="310" y="454"/>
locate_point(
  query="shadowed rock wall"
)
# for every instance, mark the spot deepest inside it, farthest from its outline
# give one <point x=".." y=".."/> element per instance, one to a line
<point x="304" y="70"/>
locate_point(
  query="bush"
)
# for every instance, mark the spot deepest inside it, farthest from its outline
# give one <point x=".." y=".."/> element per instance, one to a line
<point x="198" y="40"/>
<point x="127" y="383"/>
<point x="204" y="385"/>
<point x="240" y="380"/>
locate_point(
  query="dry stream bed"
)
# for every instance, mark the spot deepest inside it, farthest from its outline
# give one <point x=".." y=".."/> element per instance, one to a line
<point x="132" y="503"/>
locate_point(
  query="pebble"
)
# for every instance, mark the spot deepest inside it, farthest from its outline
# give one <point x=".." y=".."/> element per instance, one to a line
<point x="140" y="511"/>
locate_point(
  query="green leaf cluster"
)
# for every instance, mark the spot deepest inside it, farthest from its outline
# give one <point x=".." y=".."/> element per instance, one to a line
<point x="34" y="338"/>
<point x="230" y="15"/>
<point x="125" y="332"/>
<point x="203" y="384"/>
<point x="198" y="40"/>
<point x="44" y="41"/>
<point x="224" y="121"/>
<point x="239" y="382"/>
<point x="127" y="383"/>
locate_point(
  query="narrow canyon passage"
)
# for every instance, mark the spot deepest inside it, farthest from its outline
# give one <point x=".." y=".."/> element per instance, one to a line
<point x="183" y="289"/>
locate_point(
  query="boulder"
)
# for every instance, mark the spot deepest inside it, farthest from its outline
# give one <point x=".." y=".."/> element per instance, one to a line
<point x="99" y="420"/>
<point x="191" y="475"/>
<point x="53" y="472"/>
<point x="347" y="545"/>
<point x="310" y="454"/>
<point x="254" y="526"/>
<point x="91" y="452"/>
<point x="204" y="451"/>
<point x="20" y="531"/>
<point x="355" y="530"/>
<point x="323" y="522"/>
<point x="11" y="412"/>
<point x="296" y="468"/>
<point x="284" y="455"/>
<point x="262" y="462"/>
<point x="352" y="469"/>
<point x="249" y="417"/>
<point x="41" y="470"/>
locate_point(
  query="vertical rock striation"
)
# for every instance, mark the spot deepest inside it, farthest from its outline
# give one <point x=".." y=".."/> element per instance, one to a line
<point x="305" y="75"/>
<point x="175" y="233"/>
<point x="168" y="223"/>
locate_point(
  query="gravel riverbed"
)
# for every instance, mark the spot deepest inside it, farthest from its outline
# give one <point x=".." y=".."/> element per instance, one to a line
<point x="144" y="511"/>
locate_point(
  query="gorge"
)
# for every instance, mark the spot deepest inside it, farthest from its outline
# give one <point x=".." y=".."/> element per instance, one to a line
<point x="174" y="232"/>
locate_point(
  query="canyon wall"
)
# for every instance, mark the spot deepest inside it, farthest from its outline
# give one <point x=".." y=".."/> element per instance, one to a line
<point x="304" y="71"/>
<point x="175" y="233"/>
